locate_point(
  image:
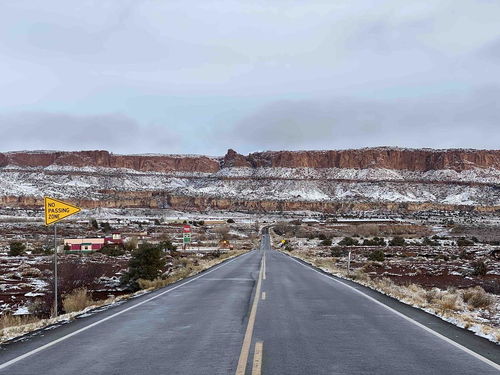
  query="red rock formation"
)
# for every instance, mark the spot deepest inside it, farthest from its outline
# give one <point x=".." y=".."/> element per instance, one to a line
<point x="391" y="158"/>
<point x="382" y="157"/>
<point x="146" y="163"/>
<point x="233" y="159"/>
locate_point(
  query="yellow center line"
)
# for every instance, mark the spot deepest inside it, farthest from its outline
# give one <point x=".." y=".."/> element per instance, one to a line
<point x="257" y="358"/>
<point x="247" y="340"/>
<point x="263" y="295"/>
<point x="264" y="273"/>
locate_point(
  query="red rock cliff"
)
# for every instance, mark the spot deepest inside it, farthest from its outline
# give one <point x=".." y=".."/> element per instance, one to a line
<point x="382" y="157"/>
<point x="147" y="163"/>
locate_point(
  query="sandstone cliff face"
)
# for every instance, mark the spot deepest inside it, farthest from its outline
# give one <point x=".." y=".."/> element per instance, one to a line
<point x="233" y="159"/>
<point x="389" y="158"/>
<point x="383" y="157"/>
<point x="146" y="163"/>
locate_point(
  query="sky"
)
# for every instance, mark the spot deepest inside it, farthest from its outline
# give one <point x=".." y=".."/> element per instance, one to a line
<point x="199" y="77"/>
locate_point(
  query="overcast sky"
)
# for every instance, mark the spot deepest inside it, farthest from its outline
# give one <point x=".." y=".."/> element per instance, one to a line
<point x="201" y="76"/>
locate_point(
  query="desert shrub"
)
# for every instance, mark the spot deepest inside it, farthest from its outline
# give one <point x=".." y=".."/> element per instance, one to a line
<point x="322" y="237"/>
<point x="185" y="262"/>
<point x="288" y="247"/>
<point x="42" y="250"/>
<point x="131" y="244"/>
<point x="377" y="256"/>
<point x="223" y="232"/>
<point x="397" y="241"/>
<point x="215" y="253"/>
<point x="112" y="250"/>
<point x="462" y="241"/>
<point x="72" y="274"/>
<point x="348" y="241"/>
<point x="326" y="242"/>
<point x="166" y="244"/>
<point x="448" y="302"/>
<point x="430" y="295"/>
<point x="436" y="237"/>
<point x="16" y="248"/>
<point x="283" y="228"/>
<point x="492" y="286"/>
<point x="77" y="300"/>
<point x="428" y="242"/>
<point x="463" y="254"/>
<point x="38" y="308"/>
<point x="31" y="272"/>
<point x="338" y="252"/>
<point x="442" y="257"/>
<point x="147" y="263"/>
<point x="230" y="221"/>
<point x="106" y="227"/>
<point x="479" y="268"/>
<point x="375" y="241"/>
<point x="477" y="298"/>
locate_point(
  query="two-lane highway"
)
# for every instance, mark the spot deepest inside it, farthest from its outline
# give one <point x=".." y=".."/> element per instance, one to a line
<point x="261" y="313"/>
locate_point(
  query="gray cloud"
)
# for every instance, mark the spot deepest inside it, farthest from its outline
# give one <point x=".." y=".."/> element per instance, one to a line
<point x="202" y="76"/>
<point x="469" y="121"/>
<point x="57" y="131"/>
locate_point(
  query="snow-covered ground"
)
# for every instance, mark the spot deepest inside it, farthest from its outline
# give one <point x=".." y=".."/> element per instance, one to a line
<point x="303" y="184"/>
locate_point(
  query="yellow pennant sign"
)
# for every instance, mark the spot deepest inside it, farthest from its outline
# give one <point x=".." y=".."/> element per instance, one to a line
<point x="56" y="210"/>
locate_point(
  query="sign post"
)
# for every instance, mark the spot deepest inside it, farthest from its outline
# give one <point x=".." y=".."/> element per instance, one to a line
<point x="186" y="235"/>
<point x="56" y="210"/>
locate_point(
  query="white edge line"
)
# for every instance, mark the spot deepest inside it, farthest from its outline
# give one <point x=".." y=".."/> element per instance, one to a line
<point x="442" y="337"/>
<point x="52" y="343"/>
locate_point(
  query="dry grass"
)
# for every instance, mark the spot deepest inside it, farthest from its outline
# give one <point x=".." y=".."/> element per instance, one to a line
<point x="77" y="300"/>
<point x="447" y="303"/>
<point x="430" y="295"/>
<point x="477" y="298"/>
<point x="8" y="320"/>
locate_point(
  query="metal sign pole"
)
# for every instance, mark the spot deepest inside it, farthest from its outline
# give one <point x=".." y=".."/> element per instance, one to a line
<point x="55" y="270"/>
<point x="56" y="210"/>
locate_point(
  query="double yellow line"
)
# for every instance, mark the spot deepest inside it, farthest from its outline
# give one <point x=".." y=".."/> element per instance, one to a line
<point x="247" y="340"/>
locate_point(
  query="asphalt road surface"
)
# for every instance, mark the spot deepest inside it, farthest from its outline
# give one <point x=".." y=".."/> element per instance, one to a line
<point x="261" y="313"/>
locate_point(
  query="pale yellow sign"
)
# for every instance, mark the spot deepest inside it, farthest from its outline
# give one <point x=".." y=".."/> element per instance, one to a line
<point x="56" y="210"/>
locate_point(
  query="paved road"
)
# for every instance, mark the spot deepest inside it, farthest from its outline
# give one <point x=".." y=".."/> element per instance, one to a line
<point x="312" y="324"/>
<point x="263" y="312"/>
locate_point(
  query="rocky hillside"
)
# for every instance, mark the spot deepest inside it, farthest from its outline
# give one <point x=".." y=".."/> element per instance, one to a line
<point x="364" y="179"/>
